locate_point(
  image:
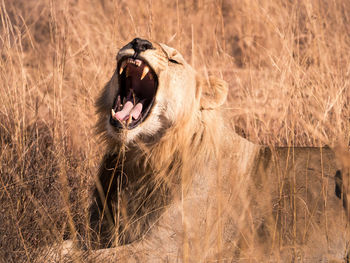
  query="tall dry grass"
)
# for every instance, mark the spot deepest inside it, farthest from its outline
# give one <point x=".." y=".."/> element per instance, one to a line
<point x="287" y="63"/>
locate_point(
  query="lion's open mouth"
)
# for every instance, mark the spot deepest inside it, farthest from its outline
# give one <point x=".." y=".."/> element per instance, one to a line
<point x="137" y="89"/>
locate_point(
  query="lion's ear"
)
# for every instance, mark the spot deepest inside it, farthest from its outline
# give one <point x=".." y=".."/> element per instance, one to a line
<point x="213" y="92"/>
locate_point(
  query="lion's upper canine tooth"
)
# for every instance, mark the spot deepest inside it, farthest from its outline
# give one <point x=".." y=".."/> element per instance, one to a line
<point x="122" y="66"/>
<point x="144" y="72"/>
<point x="113" y="112"/>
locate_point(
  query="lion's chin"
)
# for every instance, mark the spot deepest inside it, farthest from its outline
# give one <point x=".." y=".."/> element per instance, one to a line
<point x="138" y="85"/>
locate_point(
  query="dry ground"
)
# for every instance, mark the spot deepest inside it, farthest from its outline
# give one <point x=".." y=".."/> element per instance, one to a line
<point x="287" y="63"/>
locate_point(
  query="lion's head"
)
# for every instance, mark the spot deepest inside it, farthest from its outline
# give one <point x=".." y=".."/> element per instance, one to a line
<point x="153" y="87"/>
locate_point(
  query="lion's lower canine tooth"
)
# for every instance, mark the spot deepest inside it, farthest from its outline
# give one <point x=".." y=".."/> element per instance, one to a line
<point x="144" y="72"/>
<point x="113" y="112"/>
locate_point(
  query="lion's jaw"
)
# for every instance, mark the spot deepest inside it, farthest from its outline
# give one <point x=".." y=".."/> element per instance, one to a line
<point x="173" y="78"/>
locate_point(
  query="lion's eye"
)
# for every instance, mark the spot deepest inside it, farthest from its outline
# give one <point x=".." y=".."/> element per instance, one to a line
<point x="173" y="61"/>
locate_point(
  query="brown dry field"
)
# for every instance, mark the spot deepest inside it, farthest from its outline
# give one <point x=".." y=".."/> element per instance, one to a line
<point x="286" y="62"/>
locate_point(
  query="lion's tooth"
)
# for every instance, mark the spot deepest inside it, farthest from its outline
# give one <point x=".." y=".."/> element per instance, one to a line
<point x="122" y="66"/>
<point x="138" y="62"/>
<point x="144" y="72"/>
<point x="113" y="112"/>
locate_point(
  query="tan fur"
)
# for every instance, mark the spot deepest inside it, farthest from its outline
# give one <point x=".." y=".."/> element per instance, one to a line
<point x="221" y="196"/>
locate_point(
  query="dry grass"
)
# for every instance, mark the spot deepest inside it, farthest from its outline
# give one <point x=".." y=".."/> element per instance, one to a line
<point x="287" y="63"/>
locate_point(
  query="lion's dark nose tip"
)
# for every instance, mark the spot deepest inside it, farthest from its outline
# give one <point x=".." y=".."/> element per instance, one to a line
<point x="140" y="45"/>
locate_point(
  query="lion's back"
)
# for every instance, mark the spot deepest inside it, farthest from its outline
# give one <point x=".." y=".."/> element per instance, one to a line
<point x="298" y="209"/>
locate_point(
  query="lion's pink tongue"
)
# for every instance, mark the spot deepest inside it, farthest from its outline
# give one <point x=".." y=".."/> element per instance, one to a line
<point x="136" y="111"/>
<point x="129" y="109"/>
<point x="125" y="112"/>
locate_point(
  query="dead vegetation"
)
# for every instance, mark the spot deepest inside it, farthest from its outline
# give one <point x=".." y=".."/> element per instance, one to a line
<point x="286" y="63"/>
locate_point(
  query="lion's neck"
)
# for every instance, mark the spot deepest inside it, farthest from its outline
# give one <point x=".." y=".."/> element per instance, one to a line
<point x="187" y="145"/>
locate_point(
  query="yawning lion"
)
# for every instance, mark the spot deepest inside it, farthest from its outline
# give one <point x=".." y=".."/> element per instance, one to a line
<point x="178" y="185"/>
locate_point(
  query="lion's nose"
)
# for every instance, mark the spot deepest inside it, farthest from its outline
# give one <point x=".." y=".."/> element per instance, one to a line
<point x="140" y="45"/>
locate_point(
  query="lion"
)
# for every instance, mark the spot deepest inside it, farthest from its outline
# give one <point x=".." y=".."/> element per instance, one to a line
<point x="177" y="184"/>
